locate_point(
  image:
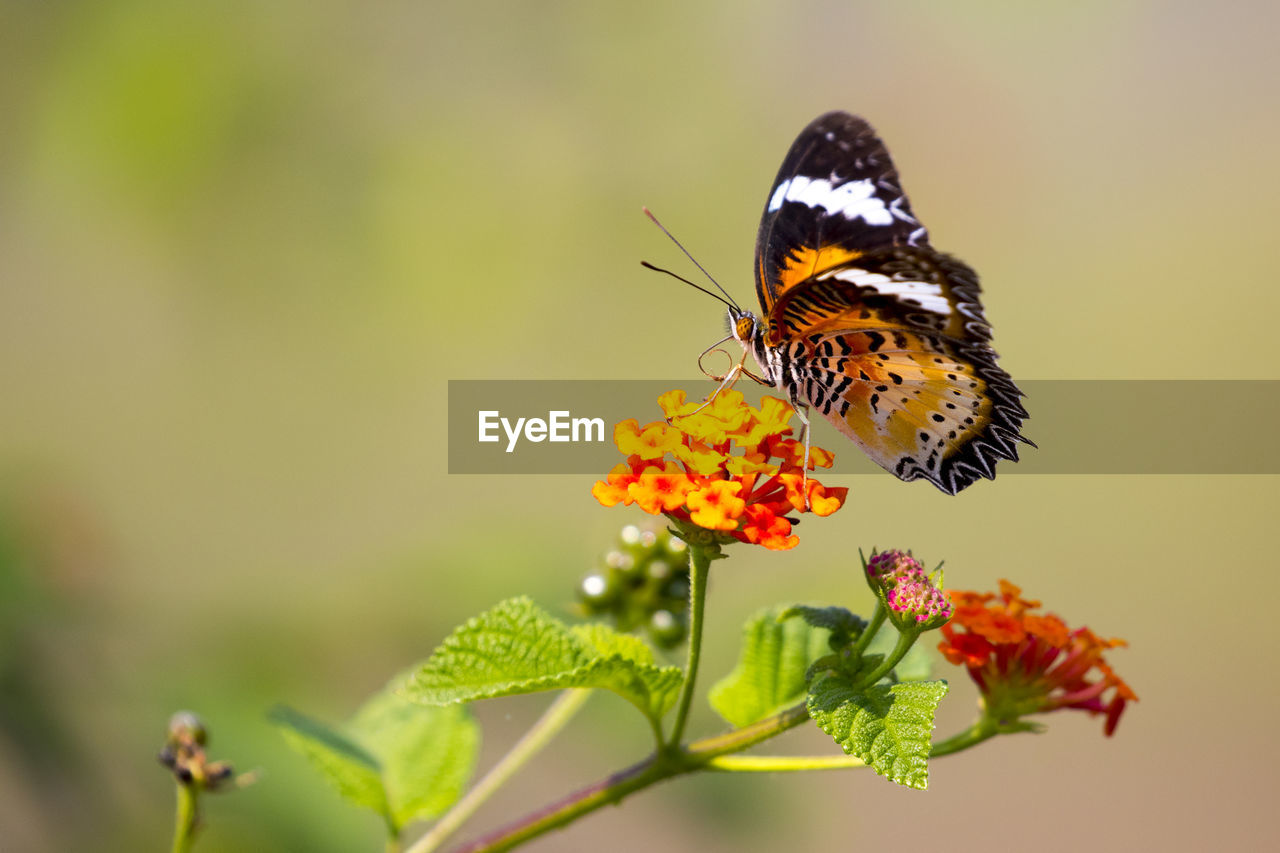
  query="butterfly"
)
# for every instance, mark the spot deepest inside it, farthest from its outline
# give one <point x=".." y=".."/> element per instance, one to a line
<point x="864" y="321"/>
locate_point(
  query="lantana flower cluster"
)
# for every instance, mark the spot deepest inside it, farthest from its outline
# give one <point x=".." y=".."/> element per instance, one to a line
<point x="1025" y="663"/>
<point x="723" y="465"/>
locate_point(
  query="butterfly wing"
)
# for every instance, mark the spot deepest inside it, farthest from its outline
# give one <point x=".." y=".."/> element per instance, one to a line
<point x="880" y="333"/>
<point x="835" y="196"/>
<point x="922" y="403"/>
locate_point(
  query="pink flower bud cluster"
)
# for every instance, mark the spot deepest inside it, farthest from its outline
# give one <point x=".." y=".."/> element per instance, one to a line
<point x="907" y="587"/>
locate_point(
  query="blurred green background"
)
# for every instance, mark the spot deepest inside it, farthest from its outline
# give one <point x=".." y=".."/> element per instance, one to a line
<point x="243" y="247"/>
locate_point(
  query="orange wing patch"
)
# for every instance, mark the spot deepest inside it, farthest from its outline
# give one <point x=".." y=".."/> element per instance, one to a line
<point x="899" y="287"/>
<point x="801" y="264"/>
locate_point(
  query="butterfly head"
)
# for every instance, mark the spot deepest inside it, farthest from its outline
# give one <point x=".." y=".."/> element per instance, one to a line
<point x="747" y="330"/>
<point x="743" y="325"/>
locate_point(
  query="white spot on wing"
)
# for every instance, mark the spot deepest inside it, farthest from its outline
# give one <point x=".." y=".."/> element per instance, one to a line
<point x="926" y="295"/>
<point x="852" y="199"/>
<point x="778" y="195"/>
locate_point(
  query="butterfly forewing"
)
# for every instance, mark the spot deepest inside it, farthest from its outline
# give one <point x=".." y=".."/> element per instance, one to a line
<point x="835" y="196"/>
<point x="867" y="323"/>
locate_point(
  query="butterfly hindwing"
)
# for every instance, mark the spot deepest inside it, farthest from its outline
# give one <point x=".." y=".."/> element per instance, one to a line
<point x="918" y="404"/>
<point x="867" y="323"/>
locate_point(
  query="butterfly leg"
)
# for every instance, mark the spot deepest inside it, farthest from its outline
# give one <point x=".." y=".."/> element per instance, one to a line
<point x="710" y="350"/>
<point x="803" y="413"/>
<point x="725" y="381"/>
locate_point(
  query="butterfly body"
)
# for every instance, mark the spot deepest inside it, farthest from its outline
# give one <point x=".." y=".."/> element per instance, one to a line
<point x="864" y="321"/>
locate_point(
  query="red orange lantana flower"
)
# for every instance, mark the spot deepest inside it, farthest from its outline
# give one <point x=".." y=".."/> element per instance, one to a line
<point x="723" y="466"/>
<point x="1026" y="663"/>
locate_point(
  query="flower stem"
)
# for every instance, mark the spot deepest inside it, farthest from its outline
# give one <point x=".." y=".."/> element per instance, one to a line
<point x="612" y="789"/>
<point x="548" y="725"/>
<point x="609" y="790"/>
<point x="782" y="763"/>
<point x="737" y="740"/>
<point x="981" y="730"/>
<point x="906" y="639"/>
<point x="700" y="557"/>
<point x="185" y="818"/>
<point x="873" y="627"/>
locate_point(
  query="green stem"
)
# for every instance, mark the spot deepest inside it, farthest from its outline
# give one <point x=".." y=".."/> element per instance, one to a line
<point x="700" y="557"/>
<point x="610" y="790"/>
<point x="739" y="739"/>
<point x="613" y="789"/>
<point x="877" y="619"/>
<point x="782" y="763"/>
<point x="711" y="753"/>
<point x="984" y="728"/>
<point x="184" y="828"/>
<point x="906" y="639"/>
<point x="548" y="725"/>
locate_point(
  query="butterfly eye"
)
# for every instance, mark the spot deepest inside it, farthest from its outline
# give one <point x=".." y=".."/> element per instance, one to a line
<point x="744" y="328"/>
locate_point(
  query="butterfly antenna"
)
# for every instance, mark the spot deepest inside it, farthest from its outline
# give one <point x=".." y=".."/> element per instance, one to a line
<point x="650" y="266"/>
<point x="728" y="300"/>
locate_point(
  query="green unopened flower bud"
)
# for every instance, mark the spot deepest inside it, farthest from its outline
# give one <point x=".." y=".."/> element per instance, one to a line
<point x="597" y="591"/>
<point x="666" y="629"/>
<point x="619" y="561"/>
<point x="185" y="726"/>
<point x="659" y="570"/>
<point x="646" y="575"/>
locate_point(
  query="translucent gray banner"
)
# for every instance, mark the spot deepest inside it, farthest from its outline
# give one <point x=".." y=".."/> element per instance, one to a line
<point x="1081" y="426"/>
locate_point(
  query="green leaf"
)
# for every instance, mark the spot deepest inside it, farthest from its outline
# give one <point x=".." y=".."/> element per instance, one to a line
<point x="771" y="670"/>
<point x="427" y="752"/>
<point x="889" y="726"/>
<point x="844" y="626"/>
<point x="609" y="643"/>
<point x="517" y="648"/>
<point x="347" y="765"/>
<point x="403" y="760"/>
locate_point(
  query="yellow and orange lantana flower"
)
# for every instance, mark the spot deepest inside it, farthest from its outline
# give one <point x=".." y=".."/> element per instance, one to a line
<point x="723" y="466"/>
<point x="1026" y="663"/>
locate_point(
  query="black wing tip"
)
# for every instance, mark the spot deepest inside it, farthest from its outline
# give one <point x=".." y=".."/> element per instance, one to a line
<point x="834" y="119"/>
<point x="979" y="457"/>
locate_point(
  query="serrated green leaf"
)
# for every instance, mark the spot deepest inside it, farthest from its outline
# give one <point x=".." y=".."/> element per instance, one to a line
<point x="771" y="669"/>
<point x="427" y="752"/>
<point x="609" y="643"/>
<point x="844" y="626"/>
<point x="348" y="766"/>
<point x="890" y="727"/>
<point x="514" y="644"/>
<point x="518" y="648"/>
<point x="403" y="760"/>
<point x="652" y="689"/>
